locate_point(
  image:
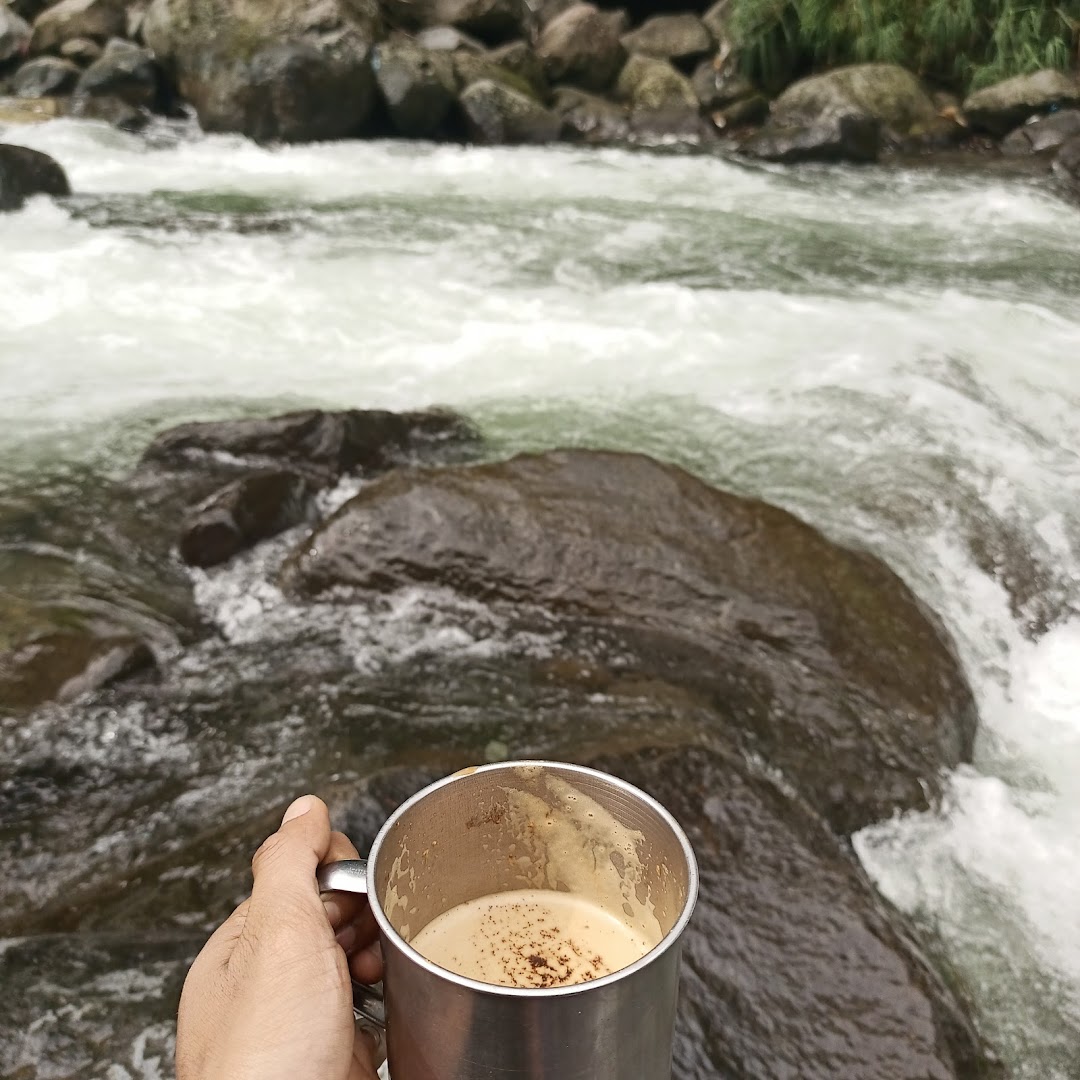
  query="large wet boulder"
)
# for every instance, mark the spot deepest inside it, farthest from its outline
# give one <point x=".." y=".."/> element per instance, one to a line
<point x="125" y="72"/>
<point x="582" y="46"/>
<point x="25" y="172"/>
<point x="47" y="76"/>
<point x="281" y="70"/>
<point x="682" y="39"/>
<point x="1042" y="134"/>
<point x="888" y="93"/>
<point x="497" y="114"/>
<point x="97" y="20"/>
<point x="816" y="657"/>
<point x="243" y="512"/>
<point x="520" y="59"/>
<point x="792" y="965"/>
<point x="417" y="85"/>
<point x="845" y="137"/>
<point x="999" y="108"/>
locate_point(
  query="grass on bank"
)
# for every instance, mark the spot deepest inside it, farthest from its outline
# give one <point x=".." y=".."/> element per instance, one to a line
<point x="959" y="44"/>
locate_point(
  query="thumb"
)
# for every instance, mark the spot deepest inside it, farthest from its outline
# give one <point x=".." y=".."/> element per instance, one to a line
<point x="284" y="866"/>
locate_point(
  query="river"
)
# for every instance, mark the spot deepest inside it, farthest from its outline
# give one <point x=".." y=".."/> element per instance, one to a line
<point x="892" y="355"/>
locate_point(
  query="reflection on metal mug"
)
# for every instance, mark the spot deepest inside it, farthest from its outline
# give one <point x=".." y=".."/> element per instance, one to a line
<point x="576" y="834"/>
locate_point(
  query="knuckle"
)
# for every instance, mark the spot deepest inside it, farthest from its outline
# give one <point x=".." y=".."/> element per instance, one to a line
<point x="271" y="850"/>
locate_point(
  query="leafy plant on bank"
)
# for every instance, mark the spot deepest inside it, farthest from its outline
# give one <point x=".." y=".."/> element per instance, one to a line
<point x="961" y="44"/>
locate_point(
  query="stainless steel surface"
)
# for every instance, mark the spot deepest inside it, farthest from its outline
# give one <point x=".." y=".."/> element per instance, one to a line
<point x="369" y="1008"/>
<point x="490" y="831"/>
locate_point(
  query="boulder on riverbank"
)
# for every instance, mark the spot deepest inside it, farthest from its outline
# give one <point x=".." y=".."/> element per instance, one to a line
<point x="25" y="172"/>
<point x="284" y="71"/>
<point x="815" y="657"/>
<point x="844" y="137"/>
<point x="999" y="108"/>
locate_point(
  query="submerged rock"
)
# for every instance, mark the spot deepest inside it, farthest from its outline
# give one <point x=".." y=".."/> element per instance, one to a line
<point x="25" y="172"/>
<point x="276" y="71"/>
<point x="850" y="137"/>
<point x="999" y="108"/>
<point x="1067" y="163"/>
<point x="64" y="665"/>
<point x="816" y="657"/>
<point x="321" y="445"/>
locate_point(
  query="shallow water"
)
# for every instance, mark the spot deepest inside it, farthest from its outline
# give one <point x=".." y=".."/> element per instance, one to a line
<point x="892" y="355"/>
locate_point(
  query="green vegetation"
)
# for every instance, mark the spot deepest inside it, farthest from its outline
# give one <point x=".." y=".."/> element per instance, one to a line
<point x="960" y="44"/>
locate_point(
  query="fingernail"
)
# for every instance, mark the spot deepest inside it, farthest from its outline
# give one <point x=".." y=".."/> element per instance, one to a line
<point x="346" y="937"/>
<point x="298" y="808"/>
<point x="333" y="911"/>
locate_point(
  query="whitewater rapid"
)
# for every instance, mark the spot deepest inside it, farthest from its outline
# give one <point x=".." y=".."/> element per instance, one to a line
<point x="895" y="356"/>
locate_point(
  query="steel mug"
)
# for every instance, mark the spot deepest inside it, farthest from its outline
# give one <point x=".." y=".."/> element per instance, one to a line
<point x="484" y="832"/>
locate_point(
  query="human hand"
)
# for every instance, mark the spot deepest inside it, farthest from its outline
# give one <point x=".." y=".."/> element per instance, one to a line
<point x="269" y="996"/>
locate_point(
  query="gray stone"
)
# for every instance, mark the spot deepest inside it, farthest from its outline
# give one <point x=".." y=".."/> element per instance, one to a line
<point x="590" y="119"/>
<point x="47" y="76"/>
<point x="497" y="114"/>
<point x="25" y="172"/>
<point x="999" y="108"/>
<point x="582" y="46"/>
<point x="648" y="83"/>
<point x="1043" y="134"/>
<point x="493" y="22"/>
<point x="97" y="20"/>
<point x="851" y="137"/>
<point x="279" y="70"/>
<point x="447" y="39"/>
<point x="418" y="86"/>
<point x="716" y="84"/>
<point x="252" y="508"/>
<point x="519" y="58"/>
<point x="81" y="51"/>
<point x="15" y="34"/>
<point x="125" y="72"/>
<point x="886" y="92"/>
<point x="682" y="39"/>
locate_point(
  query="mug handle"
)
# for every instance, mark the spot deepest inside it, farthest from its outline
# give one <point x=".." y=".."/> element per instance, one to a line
<point x="369" y="1012"/>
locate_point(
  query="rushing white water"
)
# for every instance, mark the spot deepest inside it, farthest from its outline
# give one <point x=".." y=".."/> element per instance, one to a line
<point x="894" y="356"/>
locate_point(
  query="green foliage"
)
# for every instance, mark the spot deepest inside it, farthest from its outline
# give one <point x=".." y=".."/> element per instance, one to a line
<point x="962" y="44"/>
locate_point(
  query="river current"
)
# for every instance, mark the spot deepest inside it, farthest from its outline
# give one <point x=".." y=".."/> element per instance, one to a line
<point x="892" y="355"/>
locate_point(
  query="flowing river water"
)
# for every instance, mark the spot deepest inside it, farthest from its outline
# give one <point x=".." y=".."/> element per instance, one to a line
<point x="892" y="355"/>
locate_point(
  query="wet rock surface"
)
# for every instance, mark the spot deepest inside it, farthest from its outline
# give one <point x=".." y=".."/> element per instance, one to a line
<point x="819" y="658"/>
<point x="25" y="172"/>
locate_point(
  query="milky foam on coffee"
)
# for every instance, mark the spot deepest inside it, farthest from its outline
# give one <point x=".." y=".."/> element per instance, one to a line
<point x="531" y="938"/>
